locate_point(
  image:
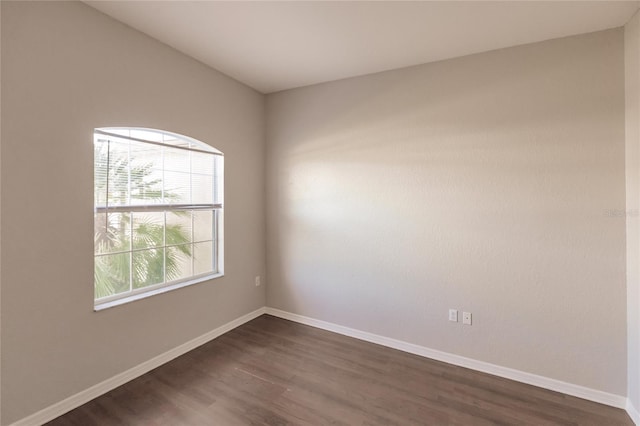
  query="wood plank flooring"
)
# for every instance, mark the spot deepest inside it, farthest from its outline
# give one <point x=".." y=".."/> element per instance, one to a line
<point x="275" y="372"/>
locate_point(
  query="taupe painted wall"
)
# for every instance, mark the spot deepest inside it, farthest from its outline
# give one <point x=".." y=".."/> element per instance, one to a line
<point x="632" y="153"/>
<point x="492" y="183"/>
<point x="66" y="69"/>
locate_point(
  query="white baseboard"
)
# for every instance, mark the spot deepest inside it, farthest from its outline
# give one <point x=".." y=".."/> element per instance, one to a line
<point x="633" y="412"/>
<point x="74" y="401"/>
<point x="485" y="367"/>
<point x="87" y="395"/>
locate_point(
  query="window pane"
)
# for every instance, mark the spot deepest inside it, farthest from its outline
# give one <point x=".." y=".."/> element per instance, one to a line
<point x="202" y="225"/>
<point x="218" y="178"/>
<point x="178" y="227"/>
<point x="202" y="189"/>
<point x="111" y="232"/>
<point x="100" y="172"/>
<point x="202" y="163"/>
<point x="111" y="274"/>
<point x="147" y="135"/>
<point x="202" y="258"/>
<point x="178" y="262"/>
<point x="148" y="267"/>
<point x="146" y="174"/>
<point x="175" y="141"/>
<point x="118" y="160"/>
<point x="148" y="229"/>
<point x="176" y="160"/>
<point x="177" y="187"/>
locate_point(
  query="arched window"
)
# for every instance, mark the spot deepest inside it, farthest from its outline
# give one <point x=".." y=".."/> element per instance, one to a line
<point x="158" y="213"/>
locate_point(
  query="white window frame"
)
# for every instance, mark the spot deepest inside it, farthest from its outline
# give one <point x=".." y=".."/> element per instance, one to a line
<point x="216" y="208"/>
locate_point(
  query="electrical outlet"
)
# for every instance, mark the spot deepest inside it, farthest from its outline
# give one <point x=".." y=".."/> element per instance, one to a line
<point x="453" y="315"/>
<point x="258" y="281"/>
<point x="466" y="318"/>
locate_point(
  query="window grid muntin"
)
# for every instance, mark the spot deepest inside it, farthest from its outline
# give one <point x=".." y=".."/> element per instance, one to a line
<point x="165" y="245"/>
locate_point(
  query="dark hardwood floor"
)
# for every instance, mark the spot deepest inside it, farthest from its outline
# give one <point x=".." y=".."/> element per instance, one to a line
<point x="274" y="372"/>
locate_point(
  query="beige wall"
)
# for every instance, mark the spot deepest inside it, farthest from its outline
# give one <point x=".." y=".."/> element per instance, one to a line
<point x="66" y="69"/>
<point x="492" y="183"/>
<point x="632" y="98"/>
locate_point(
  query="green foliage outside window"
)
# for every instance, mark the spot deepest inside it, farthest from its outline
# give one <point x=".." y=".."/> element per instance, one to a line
<point x="133" y="250"/>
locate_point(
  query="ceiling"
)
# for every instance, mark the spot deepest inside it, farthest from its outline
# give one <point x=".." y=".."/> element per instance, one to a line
<point x="273" y="46"/>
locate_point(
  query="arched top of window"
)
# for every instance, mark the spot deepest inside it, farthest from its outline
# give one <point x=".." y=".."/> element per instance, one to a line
<point x="160" y="137"/>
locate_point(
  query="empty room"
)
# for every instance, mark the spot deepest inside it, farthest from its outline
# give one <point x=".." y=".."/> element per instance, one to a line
<point x="323" y="212"/>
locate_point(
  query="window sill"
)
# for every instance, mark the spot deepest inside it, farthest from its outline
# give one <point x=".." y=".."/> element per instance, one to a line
<point x="112" y="303"/>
